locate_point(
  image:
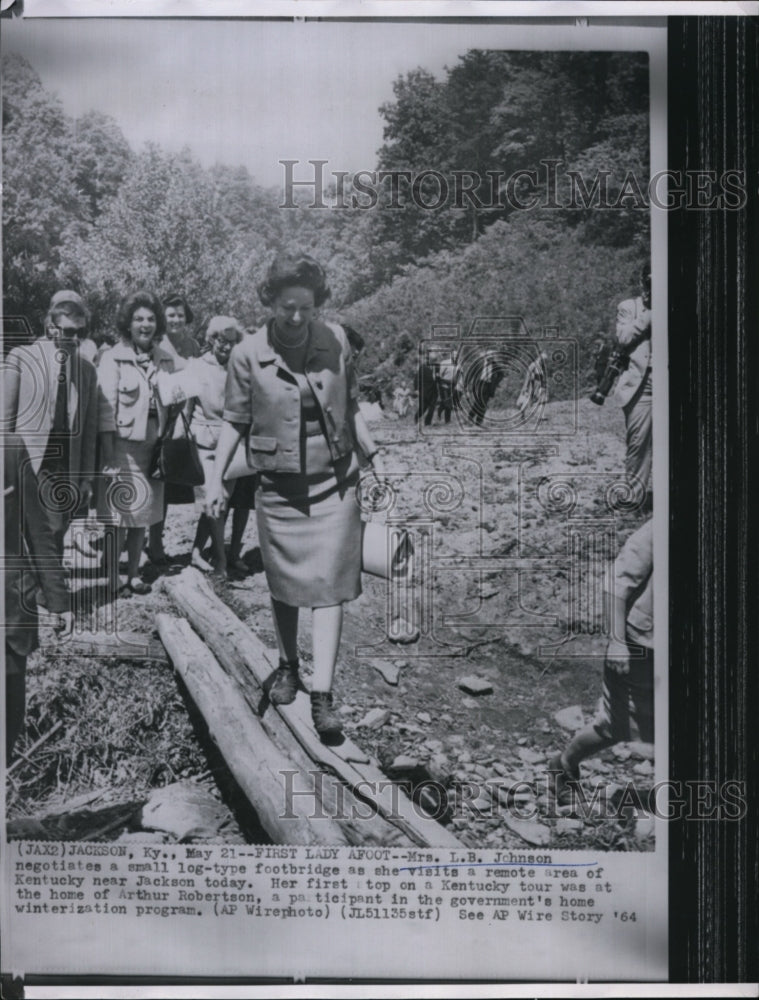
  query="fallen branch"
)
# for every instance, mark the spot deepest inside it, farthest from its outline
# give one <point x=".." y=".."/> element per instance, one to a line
<point x="35" y="746"/>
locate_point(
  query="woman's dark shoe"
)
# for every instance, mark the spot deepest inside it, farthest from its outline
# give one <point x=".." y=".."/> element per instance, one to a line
<point x="326" y="720"/>
<point x="285" y="683"/>
<point x="138" y="586"/>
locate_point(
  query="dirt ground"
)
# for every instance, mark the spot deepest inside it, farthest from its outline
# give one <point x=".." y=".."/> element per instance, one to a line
<point x="512" y="533"/>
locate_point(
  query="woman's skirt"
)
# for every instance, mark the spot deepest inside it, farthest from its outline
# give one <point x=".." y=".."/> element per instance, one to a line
<point x="309" y="530"/>
<point x="132" y="499"/>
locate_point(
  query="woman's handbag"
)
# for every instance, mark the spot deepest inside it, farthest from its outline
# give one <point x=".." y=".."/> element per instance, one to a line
<point x="176" y="459"/>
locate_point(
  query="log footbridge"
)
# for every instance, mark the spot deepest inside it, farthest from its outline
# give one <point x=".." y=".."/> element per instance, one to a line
<point x="303" y="791"/>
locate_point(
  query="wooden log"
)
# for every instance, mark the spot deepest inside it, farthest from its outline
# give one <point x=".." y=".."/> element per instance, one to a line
<point x="108" y="645"/>
<point x="257" y="765"/>
<point x="361" y="825"/>
<point x="248" y="660"/>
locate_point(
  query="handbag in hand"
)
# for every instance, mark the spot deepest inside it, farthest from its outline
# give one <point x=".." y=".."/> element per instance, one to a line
<point x="176" y="459"/>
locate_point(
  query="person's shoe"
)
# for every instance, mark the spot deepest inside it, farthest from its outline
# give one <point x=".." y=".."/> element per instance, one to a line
<point x="138" y="586"/>
<point x="564" y="783"/>
<point x="159" y="559"/>
<point x="197" y="560"/>
<point x="284" y="686"/>
<point x="326" y="720"/>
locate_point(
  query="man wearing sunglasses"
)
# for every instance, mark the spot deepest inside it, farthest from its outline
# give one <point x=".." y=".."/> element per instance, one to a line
<point x="50" y="400"/>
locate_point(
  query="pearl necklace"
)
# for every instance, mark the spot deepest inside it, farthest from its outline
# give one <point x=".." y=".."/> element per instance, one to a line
<point x="283" y="343"/>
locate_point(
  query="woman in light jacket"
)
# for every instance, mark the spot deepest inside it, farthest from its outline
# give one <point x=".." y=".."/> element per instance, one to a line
<point x="130" y="420"/>
<point x="292" y="392"/>
<point x="204" y="413"/>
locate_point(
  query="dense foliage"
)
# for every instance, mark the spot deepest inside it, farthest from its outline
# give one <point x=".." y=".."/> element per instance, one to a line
<point x="82" y="209"/>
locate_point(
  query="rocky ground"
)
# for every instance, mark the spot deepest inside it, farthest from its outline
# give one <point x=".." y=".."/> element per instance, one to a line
<point x="512" y="533"/>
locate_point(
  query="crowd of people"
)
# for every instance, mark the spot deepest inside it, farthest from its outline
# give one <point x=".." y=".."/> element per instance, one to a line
<point x="275" y="417"/>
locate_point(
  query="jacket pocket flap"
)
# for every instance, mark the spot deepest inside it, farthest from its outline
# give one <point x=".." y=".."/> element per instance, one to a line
<point x="262" y="443"/>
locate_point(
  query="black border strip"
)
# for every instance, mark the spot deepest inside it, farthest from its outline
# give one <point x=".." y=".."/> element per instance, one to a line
<point x="713" y="70"/>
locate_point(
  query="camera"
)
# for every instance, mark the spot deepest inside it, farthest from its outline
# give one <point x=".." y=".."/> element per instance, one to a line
<point x="616" y="364"/>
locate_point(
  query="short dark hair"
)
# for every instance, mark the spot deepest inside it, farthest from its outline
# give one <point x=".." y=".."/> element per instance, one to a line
<point x="69" y="309"/>
<point x="291" y="271"/>
<point x="140" y="300"/>
<point x="179" y="300"/>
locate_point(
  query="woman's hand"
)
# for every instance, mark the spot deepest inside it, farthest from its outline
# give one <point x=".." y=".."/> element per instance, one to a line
<point x="216" y="500"/>
<point x="618" y="656"/>
<point x="377" y="466"/>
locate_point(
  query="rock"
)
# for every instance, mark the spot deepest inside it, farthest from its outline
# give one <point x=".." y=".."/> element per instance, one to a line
<point x="644" y="826"/>
<point x="184" y="809"/>
<point x="482" y="804"/>
<point x="570" y="718"/>
<point x="465" y="757"/>
<point x="424" y="717"/>
<point x="375" y="718"/>
<point x="388" y="672"/>
<point x="438" y="768"/>
<point x="529" y="756"/>
<point x="469" y="703"/>
<point x="141" y="837"/>
<point x="410" y="729"/>
<point x="528" y="830"/>
<point x="403" y="762"/>
<point x="522" y="740"/>
<point x="566" y="825"/>
<point x="645" y="768"/>
<point x="500" y="769"/>
<point x="641" y="751"/>
<point x="475" y="685"/>
<point x="621" y="752"/>
<point x="445" y="717"/>
<point x="435" y="746"/>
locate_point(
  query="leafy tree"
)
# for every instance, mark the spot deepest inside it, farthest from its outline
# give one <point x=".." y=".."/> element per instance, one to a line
<point x="42" y="204"/>
<point x="101" y="156"/>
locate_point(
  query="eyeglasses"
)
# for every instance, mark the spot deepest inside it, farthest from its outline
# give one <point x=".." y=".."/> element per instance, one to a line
<point x="67" y="333"/>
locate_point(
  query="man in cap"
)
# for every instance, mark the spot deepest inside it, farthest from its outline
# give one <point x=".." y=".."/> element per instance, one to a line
<point x="50" y="401"/>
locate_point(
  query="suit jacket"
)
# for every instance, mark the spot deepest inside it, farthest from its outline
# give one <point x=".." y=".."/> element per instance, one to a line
<point x="30" y="377"/>
<point x="31" y="557"/>
<point x="262" y="391"/>
<point x="125" y="391"/>
<point x="634" y="334"/>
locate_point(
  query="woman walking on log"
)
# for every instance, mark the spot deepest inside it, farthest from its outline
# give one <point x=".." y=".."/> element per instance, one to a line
<point x="292" y="391"/>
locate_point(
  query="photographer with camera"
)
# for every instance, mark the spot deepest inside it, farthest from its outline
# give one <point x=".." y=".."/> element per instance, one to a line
<point x="629" y="364"/>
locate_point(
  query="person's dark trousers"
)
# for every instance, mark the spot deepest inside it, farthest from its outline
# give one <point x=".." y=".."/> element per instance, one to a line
<point x="15" y="698"/>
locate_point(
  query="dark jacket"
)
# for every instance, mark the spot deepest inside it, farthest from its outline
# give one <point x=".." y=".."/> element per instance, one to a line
<point x="31" y="554"/>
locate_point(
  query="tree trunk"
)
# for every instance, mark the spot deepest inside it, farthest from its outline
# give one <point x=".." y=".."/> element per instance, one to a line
<point x="246" y="658"/>
<point x="258" y="766"/>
